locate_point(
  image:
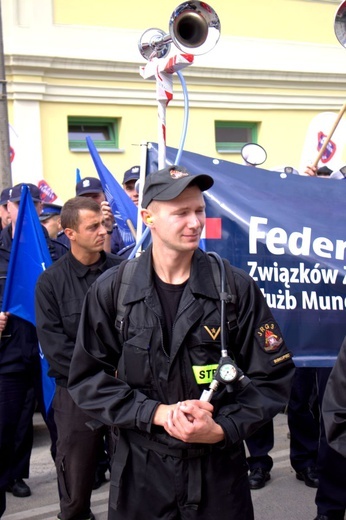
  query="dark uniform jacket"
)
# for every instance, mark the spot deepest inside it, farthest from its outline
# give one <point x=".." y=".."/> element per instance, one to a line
<point x="334" y="404"/>
<point x="147" y="376"/>
<point x="59" y="296"/>
<point x="18" y="345"/>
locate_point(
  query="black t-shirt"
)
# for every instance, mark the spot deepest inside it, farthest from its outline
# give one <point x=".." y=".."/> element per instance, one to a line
<point x="169" y="295"/>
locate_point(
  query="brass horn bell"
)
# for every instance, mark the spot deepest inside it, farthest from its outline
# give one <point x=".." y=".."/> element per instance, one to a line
<point x="194" y="28"/>
<point x="340" y="24"/>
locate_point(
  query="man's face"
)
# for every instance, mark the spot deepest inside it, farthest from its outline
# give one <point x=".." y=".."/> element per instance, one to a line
<point x="4" y="215"/>
<point x="97" y="197"/>
<point x="52" y="225"/>
<point x="13" y="208"/>
<point x="90" y="234"/>
<point x="131" y="191"/>
<point x="178" y="223"/>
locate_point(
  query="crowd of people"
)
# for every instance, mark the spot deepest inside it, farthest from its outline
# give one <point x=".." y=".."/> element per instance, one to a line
<point x="129" y="342"/>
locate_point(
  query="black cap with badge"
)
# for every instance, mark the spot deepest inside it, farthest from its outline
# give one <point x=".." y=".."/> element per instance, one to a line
<point x="15" y="193"/>
<point x="169" y="183"/>
<point x="132" y="174"/>
<point x="88" y="185"/>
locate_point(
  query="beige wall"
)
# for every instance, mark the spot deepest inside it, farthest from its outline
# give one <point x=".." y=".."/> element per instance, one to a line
<point x="277" y="63"/>
<point x="294" y="20"/>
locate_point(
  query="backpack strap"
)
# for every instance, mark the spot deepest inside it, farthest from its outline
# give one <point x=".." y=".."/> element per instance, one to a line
<point x="124" y="277"/>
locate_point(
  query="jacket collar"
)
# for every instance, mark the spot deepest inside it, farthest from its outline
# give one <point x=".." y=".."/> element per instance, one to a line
<point x="81" y="269"/>
<point x="200" y="283"/>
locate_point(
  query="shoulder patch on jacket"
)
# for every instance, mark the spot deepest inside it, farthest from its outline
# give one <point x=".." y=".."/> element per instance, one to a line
<point x="269" y="337"/>
<point x="210" y="333"/>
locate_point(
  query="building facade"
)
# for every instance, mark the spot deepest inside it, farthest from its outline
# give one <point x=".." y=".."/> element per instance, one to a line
<point x="73" y="67"/>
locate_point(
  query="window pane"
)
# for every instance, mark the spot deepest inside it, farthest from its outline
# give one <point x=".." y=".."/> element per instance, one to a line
<point x="78" y="132"/>
<point x="102" y="130"/>
<point x="233" y="135"/>
<point x="230" y="136"/>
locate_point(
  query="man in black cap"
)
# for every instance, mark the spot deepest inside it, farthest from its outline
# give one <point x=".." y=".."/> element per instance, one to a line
<point x="147" y="373"/>
<point x="4" y="214"/>
<point x="50" y="219"/>
<point x="92" y="188"/>
<point x="20" y="371"/>
<point x="131" y="176"/>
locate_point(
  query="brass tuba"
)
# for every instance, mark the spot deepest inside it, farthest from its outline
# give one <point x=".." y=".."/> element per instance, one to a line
<point x="194" y="28"/>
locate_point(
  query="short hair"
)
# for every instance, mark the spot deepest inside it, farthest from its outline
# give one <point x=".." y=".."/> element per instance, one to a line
<point x="70" y="212"/>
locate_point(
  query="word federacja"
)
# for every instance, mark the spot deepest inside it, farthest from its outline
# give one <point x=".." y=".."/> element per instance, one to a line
<point x="297" y="243"/>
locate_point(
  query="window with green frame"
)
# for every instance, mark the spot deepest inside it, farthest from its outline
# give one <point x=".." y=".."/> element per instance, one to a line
<point x="102" y="130"/>
<point x="231" y="136"/>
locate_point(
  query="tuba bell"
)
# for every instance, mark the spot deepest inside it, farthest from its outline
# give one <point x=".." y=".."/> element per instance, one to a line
<point x="194" y="28"/>
<point x="340" y="24"/>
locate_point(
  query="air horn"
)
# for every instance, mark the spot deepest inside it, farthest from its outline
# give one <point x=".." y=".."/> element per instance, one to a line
<point x="194" y="28"/>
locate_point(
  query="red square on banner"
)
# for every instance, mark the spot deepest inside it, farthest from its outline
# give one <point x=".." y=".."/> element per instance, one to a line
<point x="213" y="228"/>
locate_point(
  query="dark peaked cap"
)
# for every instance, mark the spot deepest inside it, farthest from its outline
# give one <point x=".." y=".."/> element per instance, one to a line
<point x="170" y="182"/>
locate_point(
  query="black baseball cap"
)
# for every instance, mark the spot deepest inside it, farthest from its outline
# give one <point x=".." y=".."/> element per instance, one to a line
<point x="88" y="185"/>
<point x="170" y="182"/>
<point x="16" y="192"/>
<point x="324" y="171"/>
<point x="132" y="174"/>
<point x="4" y="196"/>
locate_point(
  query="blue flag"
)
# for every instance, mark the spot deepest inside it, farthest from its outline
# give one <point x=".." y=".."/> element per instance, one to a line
<point x="28" y="259"/>
<point x="123" y="208"/>
<point x="78" y="177"/>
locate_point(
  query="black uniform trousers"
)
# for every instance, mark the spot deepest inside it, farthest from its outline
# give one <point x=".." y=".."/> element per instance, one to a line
<point x="331" y="466"/>
<point x="303" y="422"/>
<point x="303" y="419"/>
<point x="77" y="452"/>
<point x="15" y="393"/>
<point x="259" y="446"/>
<point x="146" y="484"/>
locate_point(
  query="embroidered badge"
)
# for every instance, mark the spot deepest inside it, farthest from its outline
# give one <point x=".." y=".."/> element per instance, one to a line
<point x="213" y="332"/>
<point x="281" y="359"/>
<point x="269" y="336"/>
<point x="272" y="341"/>
<point x="176" y="174"/>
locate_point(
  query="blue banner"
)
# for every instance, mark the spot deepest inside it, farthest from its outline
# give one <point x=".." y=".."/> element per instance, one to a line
<point x="288" y="233"/>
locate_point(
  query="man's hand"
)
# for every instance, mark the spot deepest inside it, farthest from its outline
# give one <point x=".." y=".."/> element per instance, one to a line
<point x="192" y="421"/>
<point x="107" y="215"/>
<point x="311" y="170"/>
<point x="3" y="320"/>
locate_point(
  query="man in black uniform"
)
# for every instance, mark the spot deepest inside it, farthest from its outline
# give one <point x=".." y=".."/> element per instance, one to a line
<point x="334" y="405"/>
<point x="60" y="291"/>
<point x="20" y="370"/>
<point x="178" y="456"/>
<point x="92" y="188"/>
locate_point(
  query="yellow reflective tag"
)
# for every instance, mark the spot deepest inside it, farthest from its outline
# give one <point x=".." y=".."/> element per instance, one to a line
<point x="204" y="374"/>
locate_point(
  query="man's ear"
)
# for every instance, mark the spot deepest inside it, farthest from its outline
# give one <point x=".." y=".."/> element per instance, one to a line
<point x="70" y="233"/>
<point x="146" y="217"/>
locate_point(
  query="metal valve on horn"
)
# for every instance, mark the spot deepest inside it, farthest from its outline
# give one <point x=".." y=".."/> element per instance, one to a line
<point x="194" y="28"/>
